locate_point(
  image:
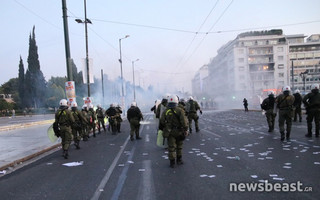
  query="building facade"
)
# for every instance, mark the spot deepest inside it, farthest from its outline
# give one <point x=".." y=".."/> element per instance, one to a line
<point x="256" y="62"/>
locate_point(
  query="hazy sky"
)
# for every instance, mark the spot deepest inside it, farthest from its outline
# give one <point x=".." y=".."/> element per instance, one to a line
<point x="171" y="38"/>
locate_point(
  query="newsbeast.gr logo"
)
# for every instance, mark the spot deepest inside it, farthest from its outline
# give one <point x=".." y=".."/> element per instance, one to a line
<point x="268" y="187"/>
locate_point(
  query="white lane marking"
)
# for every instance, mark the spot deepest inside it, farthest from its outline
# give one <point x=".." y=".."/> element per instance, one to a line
<point x="109" y="172"/>
<point x="146" y="187"/>
<point x="147" y="138"/>
<point x="210" y="132"/>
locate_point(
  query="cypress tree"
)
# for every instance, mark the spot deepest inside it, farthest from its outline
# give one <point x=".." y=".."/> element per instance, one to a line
<point x="21" y="83"/>
<point x="35" y="83"/>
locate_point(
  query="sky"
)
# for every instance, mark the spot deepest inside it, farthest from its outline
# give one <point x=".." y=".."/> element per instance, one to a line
<point x="171" y="39"/>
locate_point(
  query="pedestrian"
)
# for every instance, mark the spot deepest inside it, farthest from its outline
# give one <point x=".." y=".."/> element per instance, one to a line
<point x="65" y="120"/>
<point x="13" y="113"/>
<point x="174" y="126"/>
<point x="79" y="121"/>
<point x="100" y="117"/>
<point x="92" y="120"/>
<point x="245" y="104"/>
<point x="312" y="104"/>
<point x="285" y="105"/>
<point x="297" y="105"/>
<point x="192" y="107"/>
<point x="268" y="105"/>
<point x="134" y="117"/>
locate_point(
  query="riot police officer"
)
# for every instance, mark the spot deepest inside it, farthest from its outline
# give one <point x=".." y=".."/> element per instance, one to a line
<point x="174" y="126"/>
<point x="65" y="120"/>
<point x="100" y="117"/>
<point x="79" y="121"/>
<point x="191" y="108"/>
<point x="297" y="105"/>
<point x="312" y="103"/>
<point x="285" y="105"/>
<point x="134" y="117"/>
<point x="92" y="120"/>
<point x="268" y="105"/>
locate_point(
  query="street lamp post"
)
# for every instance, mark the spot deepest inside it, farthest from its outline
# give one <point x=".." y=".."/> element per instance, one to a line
<point x="134" y="85"/>
<point x="303" y="74"/>
<point x="85" y="21"/>
<point x="120" y="60"/>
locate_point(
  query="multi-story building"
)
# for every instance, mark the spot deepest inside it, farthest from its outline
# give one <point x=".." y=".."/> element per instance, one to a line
<point x="256" y="62"/>
<point x="305" y="60"/>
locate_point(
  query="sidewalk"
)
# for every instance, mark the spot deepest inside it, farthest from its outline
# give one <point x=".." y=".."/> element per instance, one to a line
<point x="21" y="142"/>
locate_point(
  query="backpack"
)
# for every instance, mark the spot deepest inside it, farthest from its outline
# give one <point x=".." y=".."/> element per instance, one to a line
<point x="56" y="126"/>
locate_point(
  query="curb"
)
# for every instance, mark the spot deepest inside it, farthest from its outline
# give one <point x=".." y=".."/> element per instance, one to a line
<point x="17" y="162"/>
<point x="25" y="125"/>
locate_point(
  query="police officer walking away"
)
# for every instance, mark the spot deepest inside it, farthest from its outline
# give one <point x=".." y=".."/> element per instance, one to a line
<point x="245" y="104"/>
<point x="65" y="120"/>
<point x="100" y="117"/>
<point x="268" y="105"/>
<point x="312" y="103"/>
<point x="297" y="105"/>
<point x="174" y="126"/>
<point x="79" y="120"/>
<point x="134" y="117"/>
<point x="191" y="108"/>
<point x="285" y="104"/>
<point x="92" y="120"/>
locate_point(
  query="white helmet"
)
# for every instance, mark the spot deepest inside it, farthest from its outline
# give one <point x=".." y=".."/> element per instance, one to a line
<point x="173" y="99"/>
<point x="74" y="104"/>
<point x="286" y="88"/>
<point x="90" y="105"/>
<point x="297" y="91"/>
<point x="134" y="104"/>
<point x="271" y="92"/>
<point x="190" y="98"/>
<point x="63" y="102"/>
<point x="166" y="96"/>
<point x="112" y="105"/>
<point x="315" y="86"/>
<point x="99" y="106"/>
<point x="84" y="106"/>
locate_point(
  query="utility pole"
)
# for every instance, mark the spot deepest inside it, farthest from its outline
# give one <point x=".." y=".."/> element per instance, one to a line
<point x="66" y="40"/>
<point x="102" y="87"/>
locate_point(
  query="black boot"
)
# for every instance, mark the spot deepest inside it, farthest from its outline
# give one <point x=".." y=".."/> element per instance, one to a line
<point x="270" y="129"/>
<point x="172" y="163"/>
<point x="197" y="129"/>
<point x="190" y="130"/>
<point x="77" y="144"/>
<point x="309" y="135"/>
<point x="288" y="136"/>
<point x="65" y="154"/>
<point x="179" y="160"/>
<point x="282" y="136"/>
<point x="131" y="138"/>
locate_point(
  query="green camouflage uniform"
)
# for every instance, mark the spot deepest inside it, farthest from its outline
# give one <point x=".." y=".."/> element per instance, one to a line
<point x="174" y="125"/>
<point x="92" y="121"/>
<point x="77" y="129"/>
<point x="65" y="121"/>
<point x="134" y="117"/>
<point x="285" y="105"/>
<point x="312" y="104"/>
<point x="191" y="108"/>
<point x="100" y="117"/>
<point x="268" y="105"/>
<point x="297" y="105"/>
<point x="85" y="127"/>
<point x="118" y="118"/>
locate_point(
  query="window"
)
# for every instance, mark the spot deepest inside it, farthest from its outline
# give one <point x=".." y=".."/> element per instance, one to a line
<point x="280" y="49"/>
<point x="280" y="66"/>
<point x="240" y="51"/>
<point x="241" y="60"/>
<point x="281" y="75"/>
<point x="241" y="68"/>
<point x="280" y="58"/>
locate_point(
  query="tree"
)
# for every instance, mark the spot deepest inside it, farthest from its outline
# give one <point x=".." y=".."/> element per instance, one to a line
<point x="21" y="83"/>
<point x="35" y="84"/>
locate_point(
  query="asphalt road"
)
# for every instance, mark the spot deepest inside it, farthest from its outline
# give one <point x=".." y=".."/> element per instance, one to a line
<point x="112" y="167"/>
